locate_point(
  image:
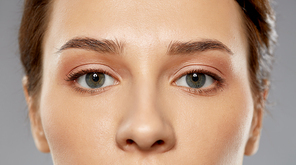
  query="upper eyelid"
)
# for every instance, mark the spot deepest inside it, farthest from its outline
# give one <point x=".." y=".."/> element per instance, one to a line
<point x="180" y="73"/>
<point x="87" y="68"/>
<point x="197" y="66"/>
<point x="175" y="76"/>
<point x="75" y="75"/>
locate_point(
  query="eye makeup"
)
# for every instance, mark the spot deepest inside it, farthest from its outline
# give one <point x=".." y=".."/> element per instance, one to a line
<point x="217" y="86"/>
<point x="76" y="73"/>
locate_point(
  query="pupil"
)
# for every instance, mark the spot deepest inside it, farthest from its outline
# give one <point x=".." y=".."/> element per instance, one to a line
<point x="95" y="77"/>
<point x="195" y="77"/>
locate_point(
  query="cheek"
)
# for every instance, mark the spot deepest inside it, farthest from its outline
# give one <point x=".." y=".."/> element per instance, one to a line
<point x="77" y="128"/>
<point x="215" y="128"/>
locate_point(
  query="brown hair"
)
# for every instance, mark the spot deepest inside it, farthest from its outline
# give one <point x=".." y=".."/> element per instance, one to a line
<point x="33" y="27"/>
<point x="259" y="22"/>
<point x="260" y="28"/>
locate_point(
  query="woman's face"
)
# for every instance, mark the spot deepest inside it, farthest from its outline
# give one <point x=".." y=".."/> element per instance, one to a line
<point x="146" y="82"/>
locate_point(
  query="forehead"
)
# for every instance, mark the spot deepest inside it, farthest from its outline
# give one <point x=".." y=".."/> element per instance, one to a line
<point x="146" y="22"/>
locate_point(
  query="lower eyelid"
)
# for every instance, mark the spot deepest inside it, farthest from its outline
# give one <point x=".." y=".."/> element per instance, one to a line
<point x="90" y="91"/>
<point x="204" y="92"/>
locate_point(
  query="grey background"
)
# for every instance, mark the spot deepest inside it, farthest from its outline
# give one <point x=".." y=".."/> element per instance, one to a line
<point x="278" y="141"/>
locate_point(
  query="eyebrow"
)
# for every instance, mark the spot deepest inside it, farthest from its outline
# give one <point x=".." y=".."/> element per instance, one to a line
<point x="178" y="48"/>
<point x="102" y="46"/>
<point x="115" y="47"/>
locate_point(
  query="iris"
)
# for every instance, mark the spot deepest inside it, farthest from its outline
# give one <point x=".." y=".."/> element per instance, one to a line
<point x="95" y="80"/>
<point x="196" y="80"/>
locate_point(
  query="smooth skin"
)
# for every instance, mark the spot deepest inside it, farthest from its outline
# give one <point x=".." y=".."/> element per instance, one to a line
<point x="145" y="116"/>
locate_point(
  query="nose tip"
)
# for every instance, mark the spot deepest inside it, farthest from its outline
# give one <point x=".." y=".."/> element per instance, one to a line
<point x="149" y="136"/>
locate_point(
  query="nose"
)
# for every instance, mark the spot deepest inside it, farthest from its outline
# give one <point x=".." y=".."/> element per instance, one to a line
<point x="145" y="129"/>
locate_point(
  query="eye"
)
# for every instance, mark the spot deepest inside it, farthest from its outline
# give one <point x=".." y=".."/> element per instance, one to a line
<point x="195" y="80"/>
<point x="95" y="80"/>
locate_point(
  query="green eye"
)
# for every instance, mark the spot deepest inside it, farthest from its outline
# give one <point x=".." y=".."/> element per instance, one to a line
<point x="195" y="80"/>
<point x="95" y="80"/>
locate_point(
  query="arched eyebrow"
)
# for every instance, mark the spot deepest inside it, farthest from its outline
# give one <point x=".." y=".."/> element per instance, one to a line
<point x="178" y="48"/>
<point x="102" y="46"/>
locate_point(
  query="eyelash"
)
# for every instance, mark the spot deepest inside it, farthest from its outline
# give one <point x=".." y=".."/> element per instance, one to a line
<point x="219" y="83"/>
<point x="73" y="76"/>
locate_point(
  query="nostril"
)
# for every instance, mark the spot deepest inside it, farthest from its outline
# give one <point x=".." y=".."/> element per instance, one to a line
<point x="129" y="141"/>
<point x="145" y="136"/>
<point x="158" y="142"/>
